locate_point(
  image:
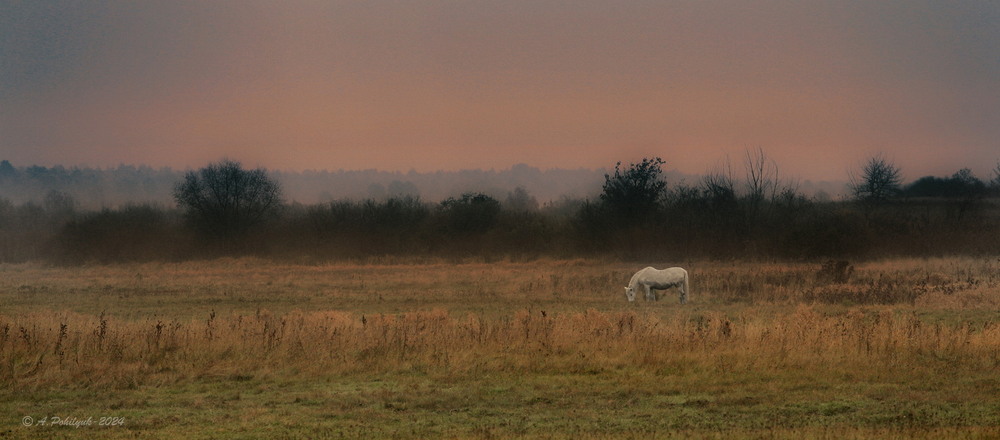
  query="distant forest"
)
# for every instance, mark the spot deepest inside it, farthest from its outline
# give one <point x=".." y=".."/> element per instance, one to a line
<point x="97" y="188"/>
<point x="633" y="212"/>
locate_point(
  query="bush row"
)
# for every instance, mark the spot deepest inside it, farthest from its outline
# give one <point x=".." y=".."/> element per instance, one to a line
<point x="688" y="223"/>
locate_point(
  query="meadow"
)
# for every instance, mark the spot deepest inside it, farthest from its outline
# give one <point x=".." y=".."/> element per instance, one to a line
<point x="425" y="348"/>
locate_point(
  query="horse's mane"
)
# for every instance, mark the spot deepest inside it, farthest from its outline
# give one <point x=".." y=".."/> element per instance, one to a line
<point x="631" y="282"/>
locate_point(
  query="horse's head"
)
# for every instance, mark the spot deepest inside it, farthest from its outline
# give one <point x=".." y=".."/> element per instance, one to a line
<point x="630" y="293"/>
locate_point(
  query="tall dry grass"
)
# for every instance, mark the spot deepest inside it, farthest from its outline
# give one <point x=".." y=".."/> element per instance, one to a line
<point x="194" y="289"/>
<point x="38" y="351"/>
<point x="129" y="325"/>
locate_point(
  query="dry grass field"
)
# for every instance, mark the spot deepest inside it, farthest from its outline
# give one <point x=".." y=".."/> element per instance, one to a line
<point x="246" y="348"/>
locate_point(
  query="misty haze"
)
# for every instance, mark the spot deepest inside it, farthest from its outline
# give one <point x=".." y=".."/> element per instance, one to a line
<point x="499" y="220"/>
<point x="742" y="208"/>
<point x="96" y="188"/>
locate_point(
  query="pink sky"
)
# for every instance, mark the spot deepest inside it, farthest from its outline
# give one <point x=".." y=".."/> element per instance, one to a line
<point x="429" y="85"/>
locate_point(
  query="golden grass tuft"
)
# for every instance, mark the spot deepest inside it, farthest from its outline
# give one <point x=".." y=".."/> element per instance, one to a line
<point x="42" y="350"/>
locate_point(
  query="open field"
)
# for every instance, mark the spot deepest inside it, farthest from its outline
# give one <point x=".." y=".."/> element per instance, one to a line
<point x="906" y="348"/>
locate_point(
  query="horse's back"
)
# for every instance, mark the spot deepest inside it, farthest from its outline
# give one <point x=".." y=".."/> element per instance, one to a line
<point x="667" y="271"/>
<point x="660" y="276"/>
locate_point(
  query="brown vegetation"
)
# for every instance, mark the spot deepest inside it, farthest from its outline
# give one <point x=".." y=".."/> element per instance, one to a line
<point x="77" y="350"/>
<point x="420" y="348"/>
<point x="477" y="318"/>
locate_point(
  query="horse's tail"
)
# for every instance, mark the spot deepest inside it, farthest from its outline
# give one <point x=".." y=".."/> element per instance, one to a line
<point x="687" y="289"/>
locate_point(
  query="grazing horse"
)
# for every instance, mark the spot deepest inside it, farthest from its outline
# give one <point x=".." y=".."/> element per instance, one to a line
<point x="654" y="279"/>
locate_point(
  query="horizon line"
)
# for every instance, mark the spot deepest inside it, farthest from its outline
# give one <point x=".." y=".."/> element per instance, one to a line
<point x="510" y="168"/>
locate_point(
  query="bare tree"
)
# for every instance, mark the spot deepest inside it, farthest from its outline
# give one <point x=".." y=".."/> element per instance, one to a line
<point x="879" y="182"/>
<point x="719" y="185"/>
<point x="995" y="181"/>
<point x="762" y="176"/>
<point x="225" y="200"/>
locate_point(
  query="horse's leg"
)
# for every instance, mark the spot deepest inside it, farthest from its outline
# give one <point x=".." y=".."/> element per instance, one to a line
<point x="684" y="294"/>
<point x="650" y="296"/>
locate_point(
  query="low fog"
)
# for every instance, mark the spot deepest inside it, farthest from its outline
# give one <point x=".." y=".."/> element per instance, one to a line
<point x="97" y="188"/>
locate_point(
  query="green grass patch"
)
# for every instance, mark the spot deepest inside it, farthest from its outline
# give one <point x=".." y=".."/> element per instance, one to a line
<point x="624" y="403"/>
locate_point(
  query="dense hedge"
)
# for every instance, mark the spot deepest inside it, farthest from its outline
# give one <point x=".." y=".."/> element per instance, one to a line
<point x="690" y="222"/>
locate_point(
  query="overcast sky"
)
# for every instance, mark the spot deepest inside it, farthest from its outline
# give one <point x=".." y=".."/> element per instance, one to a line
<point x="426" y="85"/>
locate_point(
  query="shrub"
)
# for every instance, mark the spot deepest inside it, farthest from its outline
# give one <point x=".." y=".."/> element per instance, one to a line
<point x="133" y="233"/>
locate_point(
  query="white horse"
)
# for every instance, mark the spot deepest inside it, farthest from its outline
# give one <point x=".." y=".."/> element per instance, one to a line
<point x="653" y="279"/>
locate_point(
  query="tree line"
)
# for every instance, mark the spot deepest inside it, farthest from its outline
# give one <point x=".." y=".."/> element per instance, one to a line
<point x="742" y="211"/>
<point x="96" y="188"/>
